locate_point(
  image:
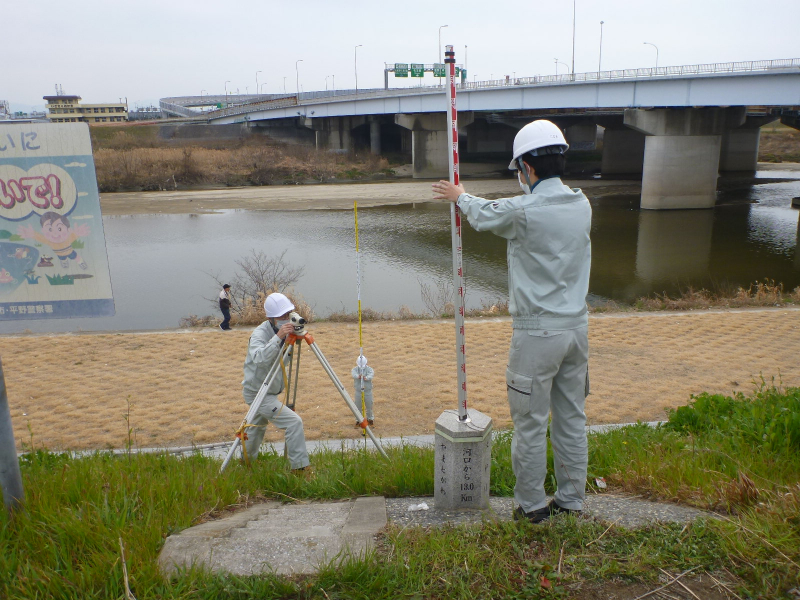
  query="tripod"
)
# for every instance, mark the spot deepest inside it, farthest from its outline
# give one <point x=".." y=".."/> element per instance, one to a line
<point x="293" y="339"/>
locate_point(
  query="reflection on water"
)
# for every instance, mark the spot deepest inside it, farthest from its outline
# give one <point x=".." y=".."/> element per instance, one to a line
<point x="162" y="265"/>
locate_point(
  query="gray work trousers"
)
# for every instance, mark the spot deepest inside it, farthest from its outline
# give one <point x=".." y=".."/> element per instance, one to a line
<point x="368" y="400"/>
<point x="548" y="372"/>
<point x="282" y="417"/>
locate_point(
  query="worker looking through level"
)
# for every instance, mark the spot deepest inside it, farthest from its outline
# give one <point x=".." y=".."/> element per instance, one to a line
<point x="262" y="352"/>
<point x="549" y="255"/>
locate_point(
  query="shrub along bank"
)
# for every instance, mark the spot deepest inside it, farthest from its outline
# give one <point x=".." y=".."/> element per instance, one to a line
<point x="739" y="455"/>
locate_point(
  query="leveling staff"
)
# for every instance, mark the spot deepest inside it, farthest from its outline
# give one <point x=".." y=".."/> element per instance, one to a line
<point x="262" y="352"/>
<point x="549" y="255"/>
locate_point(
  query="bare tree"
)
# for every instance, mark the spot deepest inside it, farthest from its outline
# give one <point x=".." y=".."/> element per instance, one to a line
<point x="258" y="276"/>
<point x="439" y="301"/>
<point x="261" y="275"/>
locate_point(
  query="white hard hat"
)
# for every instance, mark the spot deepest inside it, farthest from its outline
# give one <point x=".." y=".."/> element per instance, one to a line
<point x="277" y="305"/>
<point x="362" y="361"/>
<point x="535" y="137"/>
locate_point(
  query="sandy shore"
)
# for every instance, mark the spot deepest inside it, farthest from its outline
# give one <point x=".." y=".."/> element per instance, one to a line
<point x="319" y="197"/>
<point x="78" y="391"/>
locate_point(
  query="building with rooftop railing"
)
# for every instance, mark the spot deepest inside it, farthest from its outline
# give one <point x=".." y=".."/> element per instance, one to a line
<point x="68" y="109"/>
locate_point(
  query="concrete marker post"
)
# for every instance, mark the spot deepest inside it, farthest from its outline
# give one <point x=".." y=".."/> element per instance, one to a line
<point x="10" y="477"/>
<point x="464" y="437"/>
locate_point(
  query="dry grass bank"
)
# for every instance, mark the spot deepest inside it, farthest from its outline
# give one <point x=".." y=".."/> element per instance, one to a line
<point x="135" y="158"/>
<point x="779" y="143"/>
<point x="248" y="164"/>
<point x="180" y="388"/>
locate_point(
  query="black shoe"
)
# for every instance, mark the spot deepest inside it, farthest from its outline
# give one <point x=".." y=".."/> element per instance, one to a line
<point x="542" y="514"/>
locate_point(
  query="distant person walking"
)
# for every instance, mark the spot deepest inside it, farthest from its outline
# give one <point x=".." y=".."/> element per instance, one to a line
<point x="549" y="255"/>
<point x="225" y="307"/>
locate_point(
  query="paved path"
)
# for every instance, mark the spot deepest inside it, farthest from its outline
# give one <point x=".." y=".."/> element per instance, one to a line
<point x="298" y="538"/>
<point x="220" y="449"/>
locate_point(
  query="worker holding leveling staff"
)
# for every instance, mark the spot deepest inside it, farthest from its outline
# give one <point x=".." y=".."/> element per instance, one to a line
<point x="362" y="380"/>
<point x="263" y="348"/>
<point x="549" y="255"/>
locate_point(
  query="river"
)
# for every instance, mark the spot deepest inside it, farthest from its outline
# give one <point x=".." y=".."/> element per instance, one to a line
<point x="162" y="265"/>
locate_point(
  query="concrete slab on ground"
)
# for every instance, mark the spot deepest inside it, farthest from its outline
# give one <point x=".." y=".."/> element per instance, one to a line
<point x="298" y="538"/>
<point x="282" y="538"/>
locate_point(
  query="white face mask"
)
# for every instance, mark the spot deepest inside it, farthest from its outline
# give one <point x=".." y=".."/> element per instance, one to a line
<point x="523" y="186"/>
<point x="281" y="322"/>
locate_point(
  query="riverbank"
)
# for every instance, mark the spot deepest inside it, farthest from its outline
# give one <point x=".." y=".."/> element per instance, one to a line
<point x="177" y="388"/>
<point x="318" y="197"/>
<point x="340" y="196"/>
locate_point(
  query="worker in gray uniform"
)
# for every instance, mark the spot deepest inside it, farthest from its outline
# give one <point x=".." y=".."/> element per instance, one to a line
<point x="549" y="255"/>
<point x="362" y="378"/>
<point x="262" y="351"/>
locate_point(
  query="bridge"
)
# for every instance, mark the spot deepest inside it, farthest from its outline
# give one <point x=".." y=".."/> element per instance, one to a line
<point x="676" y="126"/>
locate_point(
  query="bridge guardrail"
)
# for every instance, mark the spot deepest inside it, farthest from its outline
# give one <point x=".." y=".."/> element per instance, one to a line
<point x="250" y="107"/>
<point x="567" y="78"/>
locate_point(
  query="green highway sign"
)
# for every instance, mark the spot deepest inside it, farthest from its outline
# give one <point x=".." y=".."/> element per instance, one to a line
<point x="438" y="70"/>
<point x="417" y="70"/>
<point x="401" y="69"/>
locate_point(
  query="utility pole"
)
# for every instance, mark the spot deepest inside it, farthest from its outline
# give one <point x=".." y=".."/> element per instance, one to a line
<point x="10" y="477"/>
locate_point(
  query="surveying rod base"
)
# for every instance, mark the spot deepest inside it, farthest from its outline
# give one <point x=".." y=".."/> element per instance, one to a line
<point x="463" y="461"/>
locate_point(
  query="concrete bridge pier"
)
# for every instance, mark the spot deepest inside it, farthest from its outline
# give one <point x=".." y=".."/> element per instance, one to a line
<point x="623" y="151"/>
<point x="739" y="151"/>
<point x="374" y="135"/>
<point x="681" y="155"/>
<point x="334" y="133"/>
<point x="581" y="136"/>
<point x="429" y="151"/>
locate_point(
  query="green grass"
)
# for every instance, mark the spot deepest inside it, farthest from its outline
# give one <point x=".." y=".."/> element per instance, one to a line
<point x="720" y="452"/>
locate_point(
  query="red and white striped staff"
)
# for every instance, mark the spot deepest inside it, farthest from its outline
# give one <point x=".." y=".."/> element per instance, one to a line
<point x="455" y="227"/>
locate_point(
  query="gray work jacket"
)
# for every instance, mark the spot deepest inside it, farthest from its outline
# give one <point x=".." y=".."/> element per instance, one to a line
<point x="262" y="351"/>
<point x="549" y="252"/>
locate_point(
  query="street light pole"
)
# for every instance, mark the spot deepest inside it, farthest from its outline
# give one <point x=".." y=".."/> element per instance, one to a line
<point x="284" y="85"/>
<point x="257" y="72"/>
<point x="439" y="56"/>
<point x="573" y="37"/>
<point x="355" y="63"/>
<point x="600" y="60"/>
<point x="297" y="73"/>
<point x="226" y="91"/>
<point x="656" y="47"/>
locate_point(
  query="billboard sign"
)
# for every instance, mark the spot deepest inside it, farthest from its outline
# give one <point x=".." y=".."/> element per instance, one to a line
<point x="53" y="261"/>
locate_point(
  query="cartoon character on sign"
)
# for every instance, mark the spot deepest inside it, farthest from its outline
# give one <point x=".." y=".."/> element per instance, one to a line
<point x="57" y="233"/>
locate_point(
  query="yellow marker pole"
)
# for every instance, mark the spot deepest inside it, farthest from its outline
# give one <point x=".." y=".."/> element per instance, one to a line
<point x="360" y="336"/>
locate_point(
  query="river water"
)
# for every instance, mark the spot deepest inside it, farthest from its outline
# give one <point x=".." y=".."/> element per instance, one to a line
<point x="162" y="265"/>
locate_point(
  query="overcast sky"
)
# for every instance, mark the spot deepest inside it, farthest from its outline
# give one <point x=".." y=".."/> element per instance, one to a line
<point x="150" y="49"/>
